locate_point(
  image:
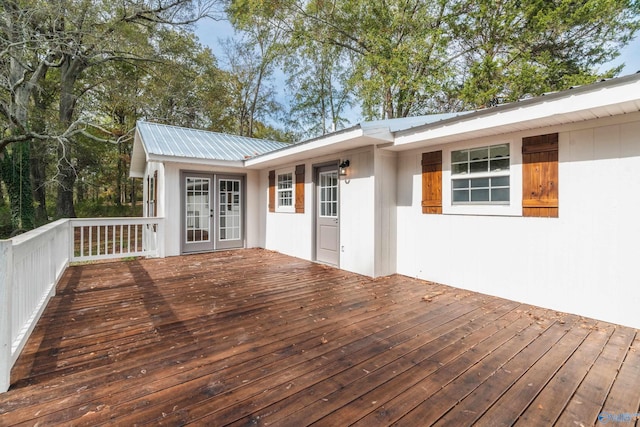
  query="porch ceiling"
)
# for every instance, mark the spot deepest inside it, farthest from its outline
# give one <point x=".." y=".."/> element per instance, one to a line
<point x="253" y="336"/>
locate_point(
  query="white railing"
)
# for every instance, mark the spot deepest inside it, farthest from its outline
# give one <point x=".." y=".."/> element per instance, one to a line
<point x="109" y="238"/>
<point x="31" y="265"/>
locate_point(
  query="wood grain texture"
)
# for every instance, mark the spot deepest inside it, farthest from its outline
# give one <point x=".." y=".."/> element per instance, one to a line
<point x="540" y="176"/>
<point x="432" y="182"/>
<point x="253" y="337"/>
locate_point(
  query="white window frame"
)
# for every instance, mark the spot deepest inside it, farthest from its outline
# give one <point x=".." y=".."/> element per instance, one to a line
<point x="511" y="208"/>
<point x="286" y="208"/>
<point x="486" y="174"/>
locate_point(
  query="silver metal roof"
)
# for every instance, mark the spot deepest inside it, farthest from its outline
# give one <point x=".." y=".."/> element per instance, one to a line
<point x="406" y="123"/>
<point x="174" y="141"/>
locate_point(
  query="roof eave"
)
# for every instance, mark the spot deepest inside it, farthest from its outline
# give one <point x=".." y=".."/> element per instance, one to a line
<point x="195" y="161"/>
<point x="603" y="100"/>
<point x="333" y="143"/>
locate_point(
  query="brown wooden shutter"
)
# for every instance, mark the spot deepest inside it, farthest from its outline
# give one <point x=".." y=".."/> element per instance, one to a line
<point x="300" y="189"/>
<point x="155" y="194"/>
<point x="540" y="176"/>
<point x="432" y="182"/>
<point x="272" y="191"/>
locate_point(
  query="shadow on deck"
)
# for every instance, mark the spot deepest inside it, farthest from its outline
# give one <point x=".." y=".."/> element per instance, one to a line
<point x="253" y="337"/>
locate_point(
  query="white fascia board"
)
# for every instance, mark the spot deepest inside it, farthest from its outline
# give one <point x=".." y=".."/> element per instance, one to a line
<point x="561" y="110"/>
<point x="337" y="142"/>
<point x="381" y="133"/>
<point x="195" y="161"/>
<point x="308" y="149"/>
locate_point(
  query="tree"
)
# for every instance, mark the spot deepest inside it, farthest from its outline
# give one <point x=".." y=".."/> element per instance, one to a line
<point x="411" y="57"/>
<point x="24" y="64"/>
<point x="320" y="93"/>
<point x="186" y="87"/>
<point x="66" y="40"/>
<point x="396" y="49"/>
<point x="251" y="60"/>
<point x="511" y="47"/>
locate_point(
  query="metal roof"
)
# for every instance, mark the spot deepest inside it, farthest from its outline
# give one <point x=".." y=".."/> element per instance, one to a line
<point x="174" y="141"/>
<point x="406" y="123"/>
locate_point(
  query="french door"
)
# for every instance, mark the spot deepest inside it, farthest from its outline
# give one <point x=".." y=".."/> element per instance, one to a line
<point x="213" y="212"/>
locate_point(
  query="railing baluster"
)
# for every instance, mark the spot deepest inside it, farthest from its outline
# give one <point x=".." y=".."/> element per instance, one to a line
<point x="110" y="238"/>
<point x="81" y="240"/>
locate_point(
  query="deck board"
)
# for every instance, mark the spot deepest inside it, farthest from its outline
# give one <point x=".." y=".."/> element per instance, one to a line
<point x="253" y="337"/>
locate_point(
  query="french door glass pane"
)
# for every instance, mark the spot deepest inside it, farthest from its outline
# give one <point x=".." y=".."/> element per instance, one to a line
<point x="329" y="194"/>
<point x="229" y="210"/>
<point x="197" y="209"/>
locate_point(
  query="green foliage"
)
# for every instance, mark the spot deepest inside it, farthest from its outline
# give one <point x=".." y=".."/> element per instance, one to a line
<point x="6" y="227"/>
<point x="414" y="57"/>
<point x="515" y="47"/>
<point x="14" y="163"/>
<point x="99" y="208"/>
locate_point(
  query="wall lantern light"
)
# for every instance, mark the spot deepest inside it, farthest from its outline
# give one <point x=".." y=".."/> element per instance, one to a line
<point x="343" y="167"/>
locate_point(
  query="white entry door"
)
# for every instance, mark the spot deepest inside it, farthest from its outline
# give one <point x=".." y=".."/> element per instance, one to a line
<point x="213" y="212"/>
<point x="327" y="216"/>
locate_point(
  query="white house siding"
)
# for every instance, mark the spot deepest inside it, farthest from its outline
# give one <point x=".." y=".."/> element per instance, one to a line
<point x="357" y="214"/>
<point x="287" y="232"/>
<point x="585" y="261"/>
<point x="386" y="219"/>
<point x="172" y="211"/>
<point x="294" y="233"/>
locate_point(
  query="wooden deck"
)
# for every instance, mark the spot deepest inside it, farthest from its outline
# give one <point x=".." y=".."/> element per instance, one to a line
<point x="253" y="337"/>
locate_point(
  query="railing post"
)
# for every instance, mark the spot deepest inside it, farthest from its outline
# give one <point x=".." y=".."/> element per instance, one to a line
<point x="6" y="283"/>
<point x="72" y="241"/>
<point x="160" y="239"/>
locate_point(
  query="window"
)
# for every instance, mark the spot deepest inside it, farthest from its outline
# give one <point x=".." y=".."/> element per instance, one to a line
<point x="285" y="192"/>
<point x="481" y="175"/>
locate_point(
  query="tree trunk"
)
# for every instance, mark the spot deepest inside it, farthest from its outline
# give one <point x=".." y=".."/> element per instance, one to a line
<point x="66" y="181"/>
<point x="38" y="178"/>
<point x="120" y="168"/>
<point x="70" y="71"/>
<point x="2" y="201"/>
